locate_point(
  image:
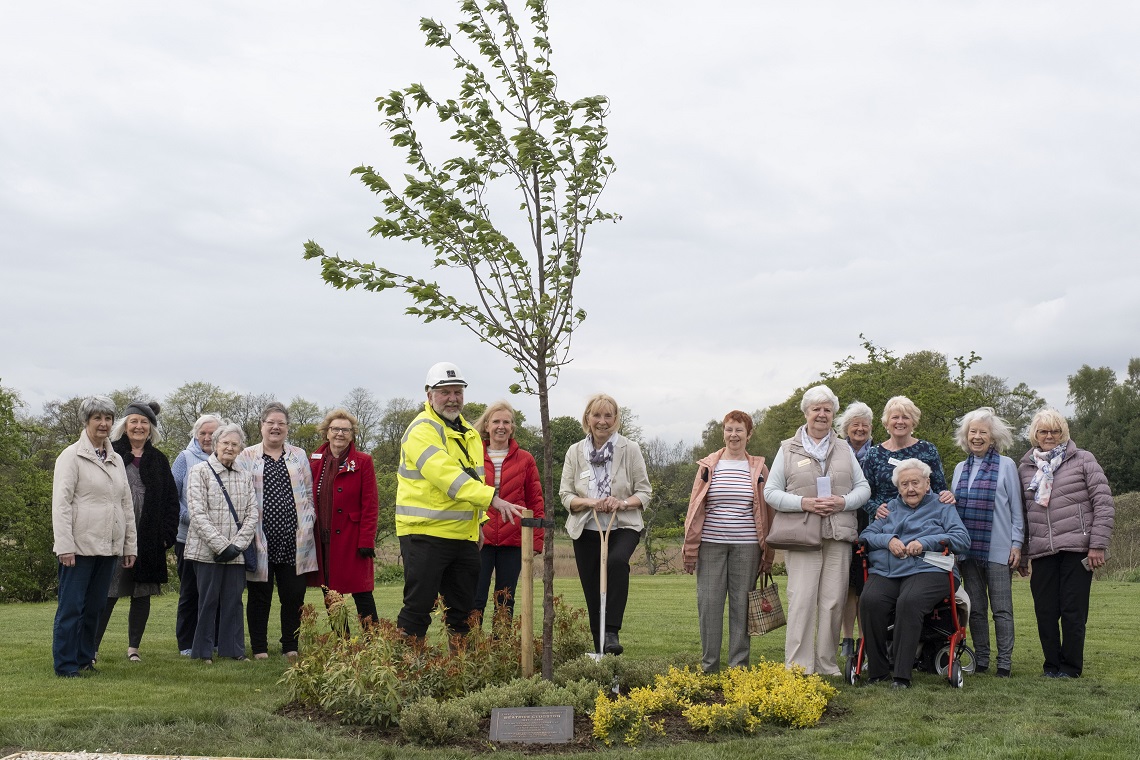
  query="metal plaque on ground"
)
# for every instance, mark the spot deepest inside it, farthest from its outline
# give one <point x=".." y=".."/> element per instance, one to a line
<point x="532" y="725"/>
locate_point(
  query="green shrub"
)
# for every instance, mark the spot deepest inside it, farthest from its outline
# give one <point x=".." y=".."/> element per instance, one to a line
<point x="388" y="573"/>
<point x="367" y="677"/>
<point x="434" y="723"/>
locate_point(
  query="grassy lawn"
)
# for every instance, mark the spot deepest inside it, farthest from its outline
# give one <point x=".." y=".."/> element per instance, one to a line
<point x="170" y="705"/>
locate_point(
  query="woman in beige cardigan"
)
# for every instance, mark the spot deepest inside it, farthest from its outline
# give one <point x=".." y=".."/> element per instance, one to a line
<point x="93" y="520"/>
<point x="817" y="579"/>
<point x="604" y="473"/>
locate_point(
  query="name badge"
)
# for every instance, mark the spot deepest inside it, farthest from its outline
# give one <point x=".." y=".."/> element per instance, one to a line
<point x="317" y="456"/>
<point x="894" y="462"/>
<point x="803" y="463"/>
<point x="586" y="474"/>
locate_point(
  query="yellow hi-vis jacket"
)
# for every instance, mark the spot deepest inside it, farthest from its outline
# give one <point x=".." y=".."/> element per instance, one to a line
<point x="434" y="495"/>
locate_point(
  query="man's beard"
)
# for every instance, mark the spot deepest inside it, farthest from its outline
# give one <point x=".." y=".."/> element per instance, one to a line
<point x="446" y="414"/>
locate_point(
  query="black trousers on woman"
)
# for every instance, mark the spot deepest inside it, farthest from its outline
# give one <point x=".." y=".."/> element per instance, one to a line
<point x="291" y="597"/>
<point x="505" y="563"/>
<point x="588" y="557"/>
<point x="1061" y="588"/>
<point x="907" y="601"/>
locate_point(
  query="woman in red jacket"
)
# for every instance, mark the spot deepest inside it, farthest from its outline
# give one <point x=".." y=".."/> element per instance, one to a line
<point x="344" y="489"/>
<point x="514" y="474"/>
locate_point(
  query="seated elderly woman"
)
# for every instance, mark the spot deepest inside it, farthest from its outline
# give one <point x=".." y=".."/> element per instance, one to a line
<point x="902" y="585"/>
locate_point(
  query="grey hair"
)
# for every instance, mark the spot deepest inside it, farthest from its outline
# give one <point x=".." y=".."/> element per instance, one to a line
<point x="93" y="405"/>
<point x="999" y="429"/>
<point x="856" y="410"/>
<point x="225" y="429"/>
<point x="910" y="464"/>
<point x="120" y="429"/>
<point x="275" y="406"/>
<point x="208" y="417"/>
<point x="818" y="394"/>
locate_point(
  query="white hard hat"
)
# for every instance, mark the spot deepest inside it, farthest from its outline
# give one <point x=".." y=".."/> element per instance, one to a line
<point x="443" y="373"/>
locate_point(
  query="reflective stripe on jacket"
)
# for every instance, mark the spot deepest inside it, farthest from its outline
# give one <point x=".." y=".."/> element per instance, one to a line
<point x="435" y="495"/>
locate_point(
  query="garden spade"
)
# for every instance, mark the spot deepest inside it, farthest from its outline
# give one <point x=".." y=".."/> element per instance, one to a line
<point x="603" y="580"/>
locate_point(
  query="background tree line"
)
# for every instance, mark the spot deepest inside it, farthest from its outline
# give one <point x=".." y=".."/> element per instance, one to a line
<point x="1105" y="420"/>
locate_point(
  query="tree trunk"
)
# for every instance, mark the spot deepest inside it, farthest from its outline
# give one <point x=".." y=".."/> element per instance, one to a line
<point x="548" y="536"/>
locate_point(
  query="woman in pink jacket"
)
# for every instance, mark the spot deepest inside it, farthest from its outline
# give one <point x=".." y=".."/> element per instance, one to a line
<point x="514" y="474"/>
<point x="725" y="529"/>
<point x="1069" y="517"/>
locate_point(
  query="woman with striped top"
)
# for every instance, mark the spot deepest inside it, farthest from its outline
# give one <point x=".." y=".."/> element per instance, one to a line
<point x="725" y="529"/>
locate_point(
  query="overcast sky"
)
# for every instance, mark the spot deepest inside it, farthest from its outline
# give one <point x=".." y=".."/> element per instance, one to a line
<point x="948" y="176"/>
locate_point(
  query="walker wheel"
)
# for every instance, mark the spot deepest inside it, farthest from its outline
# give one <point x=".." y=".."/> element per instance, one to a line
<point x="957" y="680"/>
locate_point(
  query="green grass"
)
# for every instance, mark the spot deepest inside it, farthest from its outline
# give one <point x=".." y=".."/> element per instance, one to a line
<point x="170" y="705"/>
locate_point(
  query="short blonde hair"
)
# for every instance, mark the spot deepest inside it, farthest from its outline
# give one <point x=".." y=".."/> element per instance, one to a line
<point x="911" y="464"/>
<point x="593" y="401"/>
<point x="999" y="430"/>
<point x="338" y="414"/>
<point x="856" y="410"/>
<point x="485" y="419"/>
<point x="902" y="404"/>
<point x="1048" y="418"/>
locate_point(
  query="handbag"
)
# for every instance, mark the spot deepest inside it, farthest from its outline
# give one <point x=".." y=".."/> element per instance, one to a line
<point x="796" y="531"/>
<point x="249" y="553"/>
<point x="765" y="612"/>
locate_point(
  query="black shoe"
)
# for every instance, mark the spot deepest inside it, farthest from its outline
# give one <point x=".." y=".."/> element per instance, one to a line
<point x="979" y="669"/>
<point x="878" y="679"/>
<point x="613" y="646"/>
<point x="1062" y="674"/>
<point x="847" y="648"/>
<point x="69" y="674"/>
<point x="900" y="683"/>
<point x="90" y="668"/>
<point x="1002" y="673"/>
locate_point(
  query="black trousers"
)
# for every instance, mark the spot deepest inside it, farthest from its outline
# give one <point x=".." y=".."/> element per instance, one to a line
<point x="187" y="617"/>
<point x="435" y="567"/>
<point x="136" y="620"/>
<point x="588" y="558"/>
<point x="290" y="595"/>
<point x="905" y="600"/>
<point x="505" y="563"/>
<point x="1061" y="588"/>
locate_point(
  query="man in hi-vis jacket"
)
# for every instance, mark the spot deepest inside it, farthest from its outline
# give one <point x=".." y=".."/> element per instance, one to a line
<point x="441" y="500"/>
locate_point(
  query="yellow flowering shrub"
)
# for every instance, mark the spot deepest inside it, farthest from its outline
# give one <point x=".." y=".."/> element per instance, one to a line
<point x="765" y="693"/>
<point x="626" y="718"/>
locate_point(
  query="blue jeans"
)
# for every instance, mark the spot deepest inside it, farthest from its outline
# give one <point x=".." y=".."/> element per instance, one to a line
<point x="82" y="594"/>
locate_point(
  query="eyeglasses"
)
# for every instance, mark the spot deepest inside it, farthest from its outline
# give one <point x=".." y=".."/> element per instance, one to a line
<point x="273" y="425"/>
<point x="1050" y="433"/>
<point x="340" y="431"/>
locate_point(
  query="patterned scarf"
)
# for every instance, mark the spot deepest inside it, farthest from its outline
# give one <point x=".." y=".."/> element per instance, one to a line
<point x="816" y="450"/>
<point x="1042" y="481"/>
<point x="976" y="500"/>
<point x="601" y="460"/>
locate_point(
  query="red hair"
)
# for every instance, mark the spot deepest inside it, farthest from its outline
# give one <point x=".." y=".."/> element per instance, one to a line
<point x="738" y="416"/>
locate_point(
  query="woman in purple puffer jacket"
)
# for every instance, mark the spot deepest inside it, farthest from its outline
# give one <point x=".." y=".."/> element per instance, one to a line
<point x="1069" y="516"/>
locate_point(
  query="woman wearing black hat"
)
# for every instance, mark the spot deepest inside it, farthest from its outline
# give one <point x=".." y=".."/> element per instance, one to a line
<point x="155" y="497"/>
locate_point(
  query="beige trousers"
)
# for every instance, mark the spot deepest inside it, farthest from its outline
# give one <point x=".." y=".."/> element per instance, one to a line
<point x="817" y="590"/>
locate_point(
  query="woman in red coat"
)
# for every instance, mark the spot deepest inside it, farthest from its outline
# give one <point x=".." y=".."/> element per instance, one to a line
<point x="514" y="474"/>
<point x="344" y="489"/>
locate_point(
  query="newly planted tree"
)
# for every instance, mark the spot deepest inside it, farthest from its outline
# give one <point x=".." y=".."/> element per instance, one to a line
<point x="517" y="139"/>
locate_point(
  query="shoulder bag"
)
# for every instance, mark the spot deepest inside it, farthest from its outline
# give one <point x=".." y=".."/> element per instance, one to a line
<point x="795" y="531"/>
<point x="249" y="554"/>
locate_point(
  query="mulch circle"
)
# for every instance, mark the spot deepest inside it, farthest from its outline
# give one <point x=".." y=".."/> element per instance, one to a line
<point x="676" y="730"/>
